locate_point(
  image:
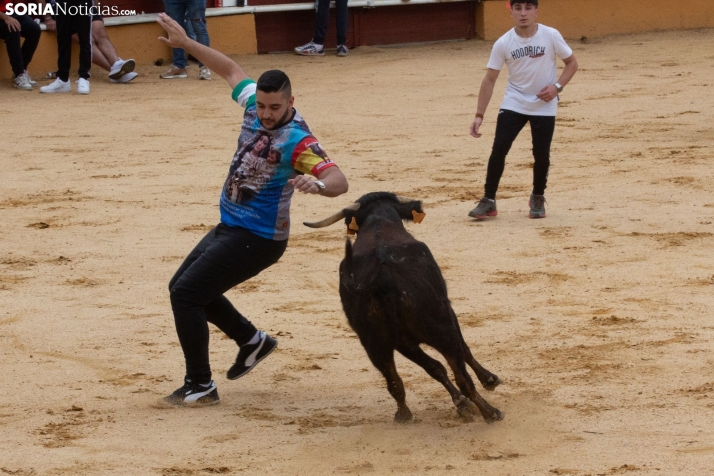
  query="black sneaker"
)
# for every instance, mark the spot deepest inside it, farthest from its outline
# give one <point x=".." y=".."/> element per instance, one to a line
<point x="537" y="204"/>
<point x="194" y="394"/>
<point x="250" y="355"/>
<point x="486" y="208"/>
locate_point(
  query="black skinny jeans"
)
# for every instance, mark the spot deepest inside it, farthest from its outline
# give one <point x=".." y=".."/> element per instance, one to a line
<point x="508" y="126"/>
<point x="67" y="25"/>
<point x="20" y="56"/>
<point x="322" y="19"/>
<point x="224" y="258"/>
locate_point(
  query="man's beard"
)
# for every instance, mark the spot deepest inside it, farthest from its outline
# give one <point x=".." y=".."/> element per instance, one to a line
<point x="280" y="123"/>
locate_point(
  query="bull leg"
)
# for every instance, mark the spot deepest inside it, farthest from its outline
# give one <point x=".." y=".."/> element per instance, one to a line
<point x="489" y="380"/>
<point x="385" y="364"/>
<point x="463" y="380"/>
<point x="438" y="372"/>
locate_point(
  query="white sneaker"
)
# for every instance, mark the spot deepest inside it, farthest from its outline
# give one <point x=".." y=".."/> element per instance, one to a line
<point x="124" y="79"/>
<point x="121" y="67"/>
<point x="310" y="49"/>
<point x="205" y="73"/>
<point x="32" y="81"/>
<point x="22" y="82"/>
<point x="58" y="86"/>
<point x="82" y="86"/>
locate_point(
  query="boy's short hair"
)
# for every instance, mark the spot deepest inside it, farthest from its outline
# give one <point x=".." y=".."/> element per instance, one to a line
<point x="532" y="2"/>
<point x="275" y="81"/>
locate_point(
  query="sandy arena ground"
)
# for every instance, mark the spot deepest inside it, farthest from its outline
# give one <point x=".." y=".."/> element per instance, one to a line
<point x="599" y="318"/>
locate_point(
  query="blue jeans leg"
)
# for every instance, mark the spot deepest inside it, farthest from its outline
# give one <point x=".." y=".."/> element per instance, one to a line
<point x="176" y="9"/>
<point x="197" y="19"/>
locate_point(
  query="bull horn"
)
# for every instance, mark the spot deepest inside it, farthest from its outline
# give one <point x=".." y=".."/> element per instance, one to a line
<point x="332" y="219"/>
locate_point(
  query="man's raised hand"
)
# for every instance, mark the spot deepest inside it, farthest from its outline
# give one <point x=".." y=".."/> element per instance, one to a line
<point x="177" y="37"/>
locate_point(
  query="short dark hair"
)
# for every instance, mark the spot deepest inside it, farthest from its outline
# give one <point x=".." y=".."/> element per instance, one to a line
<point x="532" y="2"/>
<point x="275" y="81"/>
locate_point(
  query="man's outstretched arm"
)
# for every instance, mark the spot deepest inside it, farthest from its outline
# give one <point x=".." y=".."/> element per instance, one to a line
<point x="216" y="61"/>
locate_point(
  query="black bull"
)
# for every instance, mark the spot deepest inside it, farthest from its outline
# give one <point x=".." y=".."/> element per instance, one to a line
<point x="395" y="297"/>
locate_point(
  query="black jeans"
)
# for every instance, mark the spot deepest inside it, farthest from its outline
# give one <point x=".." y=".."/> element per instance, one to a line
<point x="224" y="258"/>
<point x="67" y="25"/>
<point x="20" y="56"/>
<point x="508" y="126"/>
<point x="322" y="18"/>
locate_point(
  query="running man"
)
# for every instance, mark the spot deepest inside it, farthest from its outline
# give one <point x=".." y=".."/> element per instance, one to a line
<point x="253" y="231"/>
<point x="529" y="50"/>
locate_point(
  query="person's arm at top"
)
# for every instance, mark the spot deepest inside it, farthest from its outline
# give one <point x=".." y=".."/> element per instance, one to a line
<point x="484" y="97"/>
<point x="550" y="92"/>
<point x="214" y="60"/>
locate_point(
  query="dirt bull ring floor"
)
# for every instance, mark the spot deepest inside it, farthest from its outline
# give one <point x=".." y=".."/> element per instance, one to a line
<point x="599" y="318"/>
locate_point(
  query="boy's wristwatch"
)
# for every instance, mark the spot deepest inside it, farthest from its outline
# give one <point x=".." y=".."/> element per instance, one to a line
<point x="559" y="87"/>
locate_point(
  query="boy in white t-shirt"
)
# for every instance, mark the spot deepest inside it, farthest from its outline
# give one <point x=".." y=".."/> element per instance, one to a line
<point x="530" y="51"/>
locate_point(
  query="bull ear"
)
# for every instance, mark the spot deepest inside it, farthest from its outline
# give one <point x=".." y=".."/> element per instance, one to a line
<point x="417" y="217"/>
<point x="353" y="225"/>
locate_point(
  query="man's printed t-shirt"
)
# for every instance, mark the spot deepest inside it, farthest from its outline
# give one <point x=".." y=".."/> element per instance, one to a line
<point x="531" y="67"/>
<point x="256" y="194"/>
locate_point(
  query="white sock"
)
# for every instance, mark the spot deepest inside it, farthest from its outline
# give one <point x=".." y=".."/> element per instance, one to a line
<point x="206" y="385"/>
<point x="255" y="339"/>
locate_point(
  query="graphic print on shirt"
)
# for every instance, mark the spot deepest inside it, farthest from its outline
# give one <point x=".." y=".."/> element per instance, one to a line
<point x="529" y="51"/>
<point x="257" y="161"/>
<point x="253" y="166"/>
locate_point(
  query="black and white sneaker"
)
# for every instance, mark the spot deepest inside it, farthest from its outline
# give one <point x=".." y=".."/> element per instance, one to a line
<point x="250" y="354"/>
<point x="193" y="393"/>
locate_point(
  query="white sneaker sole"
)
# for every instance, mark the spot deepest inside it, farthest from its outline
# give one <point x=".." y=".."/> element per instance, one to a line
<point x="126" y="68"/>
<point x="124" y="79"/>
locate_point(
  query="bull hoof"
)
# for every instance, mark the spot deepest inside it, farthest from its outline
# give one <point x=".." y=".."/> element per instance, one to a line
<point x="466" y="409"/>
<point x="492" y="383"/>
<point x="465" y="414"/>
<point x="494" y="415"/>
<point x="403" y="416"/>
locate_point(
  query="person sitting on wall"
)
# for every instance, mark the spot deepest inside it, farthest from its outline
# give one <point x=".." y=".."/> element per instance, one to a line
<point x="12" y="28"/>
